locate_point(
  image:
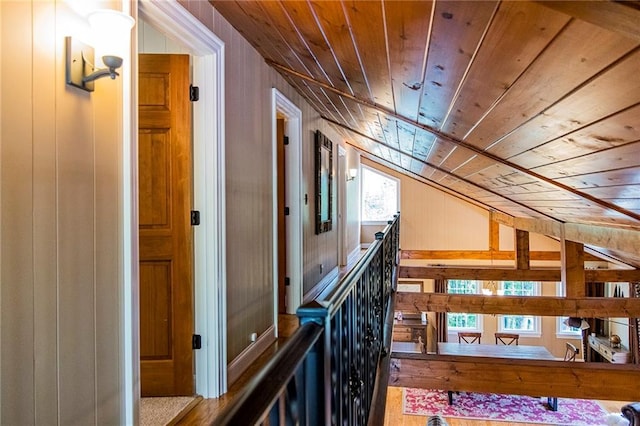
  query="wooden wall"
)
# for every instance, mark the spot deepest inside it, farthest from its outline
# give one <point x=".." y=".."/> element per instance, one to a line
<point x="61" y="226"/>
<point x="249" y="188"/>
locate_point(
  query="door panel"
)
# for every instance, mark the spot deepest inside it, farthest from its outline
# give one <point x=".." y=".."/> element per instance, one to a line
<point x="282" y="230"/>
<point x="166" y="249"/>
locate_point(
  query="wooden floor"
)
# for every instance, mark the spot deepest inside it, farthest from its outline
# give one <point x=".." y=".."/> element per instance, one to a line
<point x="208" y="410"/>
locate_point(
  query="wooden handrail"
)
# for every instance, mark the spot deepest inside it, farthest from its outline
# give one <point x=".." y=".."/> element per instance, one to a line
<point x="262" y="392"/>
<point x="330" y="371"/>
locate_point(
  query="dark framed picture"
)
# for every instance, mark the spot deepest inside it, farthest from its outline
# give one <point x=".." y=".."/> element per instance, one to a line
<point x="324" y="179"/>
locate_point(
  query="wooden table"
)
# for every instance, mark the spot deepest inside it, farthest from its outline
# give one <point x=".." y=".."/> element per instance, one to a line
<point x="407" y="347"/>
<point x="495" y="351"/>
<point x="499" y="351"/>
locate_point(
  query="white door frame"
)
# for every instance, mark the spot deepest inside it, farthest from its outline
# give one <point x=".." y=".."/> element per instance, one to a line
<point x="342" y="206"/>
<point x="293" y="199"/>
<point x="171" y="18"/>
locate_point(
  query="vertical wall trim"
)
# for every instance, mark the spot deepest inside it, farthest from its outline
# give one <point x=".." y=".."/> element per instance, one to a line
<point x="342" y="205"/>
<point x="130" y="338"/>
<point x="293" y="199"/>
<point x="176" y="22"/>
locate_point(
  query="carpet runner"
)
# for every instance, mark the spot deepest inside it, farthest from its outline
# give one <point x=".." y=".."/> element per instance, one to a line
<point x="514" y="408"/>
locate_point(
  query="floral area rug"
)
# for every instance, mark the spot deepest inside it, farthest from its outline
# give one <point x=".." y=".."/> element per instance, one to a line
<point x="513" y="408"/>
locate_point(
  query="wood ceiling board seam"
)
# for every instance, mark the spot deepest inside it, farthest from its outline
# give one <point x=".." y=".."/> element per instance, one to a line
<point x="419" y="178"/>
<point x="601" y="49"/>
<point x="467" y="70"/>
<point x="615" y="84"/>
<point x="456" y="30"/>
<point x="363" y="16"/>
<point x="334" y="25"/>
<point x="417" y="159"/>
<point x="619" y="157"/>
<point x="302" y="20"/>
<point x="613" y="130"/>
<point x="509" y="91"/>
<point x="406" y="137"/>
<point x="460" y="143"/>
<point x="288" y="32"/>
<point x="407" y="34"/>
<point x="269" y="27"/>
<point x="607" y="179"/>
<point x="628" y="191"/>
<point x="616" y="16"/>
<point x="501" y="58"/>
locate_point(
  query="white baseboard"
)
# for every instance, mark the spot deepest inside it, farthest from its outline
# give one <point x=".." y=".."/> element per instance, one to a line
<point x="331" y="277"/>
<point x="250" y="354"/>
<point x="364" y="246"/>
<point x="354" y="255"/>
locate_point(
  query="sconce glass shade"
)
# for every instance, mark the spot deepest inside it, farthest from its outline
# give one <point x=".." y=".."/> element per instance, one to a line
<point x="111" y="32"/>
<point x="352" y="173"/>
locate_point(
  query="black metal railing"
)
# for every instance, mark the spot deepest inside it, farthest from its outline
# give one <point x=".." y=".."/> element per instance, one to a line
<point x="333" y="369"/>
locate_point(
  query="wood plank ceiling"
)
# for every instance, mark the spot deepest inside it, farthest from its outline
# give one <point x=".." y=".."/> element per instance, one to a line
<point x="531" y="109"/>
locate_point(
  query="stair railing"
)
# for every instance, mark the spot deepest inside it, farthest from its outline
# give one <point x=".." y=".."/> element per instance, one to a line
<point x="333" y="370"/>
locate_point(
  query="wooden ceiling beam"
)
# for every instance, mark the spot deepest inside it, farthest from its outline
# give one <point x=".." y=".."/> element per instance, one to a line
<point x="618" y="16"/>
<point x="627" y="240"/>
<point x="515" y="376"/>
<point x="508" y="274"/>
<point x="484" y="255"/>
<point x="456" y="141"/>
<point x="584" y="307"/>
<point x="572" y="269"/>
<point x="523" y="255"/>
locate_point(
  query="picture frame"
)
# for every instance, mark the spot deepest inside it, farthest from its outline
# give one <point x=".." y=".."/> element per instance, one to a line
<point x="324" y="182"/>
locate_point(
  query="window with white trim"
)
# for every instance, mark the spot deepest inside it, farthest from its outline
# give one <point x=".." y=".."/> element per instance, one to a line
<point x="380" y="196"/>
<point x="521" y="324"/>
<point x="459" y="321"/>
<point x="562" y="329"/>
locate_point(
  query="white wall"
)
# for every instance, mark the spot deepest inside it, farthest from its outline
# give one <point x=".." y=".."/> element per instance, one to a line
<point x="61" y="227"/>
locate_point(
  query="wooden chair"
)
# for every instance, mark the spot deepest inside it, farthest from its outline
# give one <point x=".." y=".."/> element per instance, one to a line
<point x="571" y="352"/>
<point x="466" y="337"/>
<point x="507" y="338"/>
<point x="469" y="337"/>
<point x="569" y="355"/>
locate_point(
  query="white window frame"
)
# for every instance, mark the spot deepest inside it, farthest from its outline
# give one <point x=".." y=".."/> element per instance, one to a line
<point x="537" y="323"/>
<point x="479" y="325"/>
<point x="374" y="170"/>
<point x="560" y="332"/>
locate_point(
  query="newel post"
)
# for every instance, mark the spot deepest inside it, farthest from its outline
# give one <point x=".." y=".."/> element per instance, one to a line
<point x="317" y="366"/>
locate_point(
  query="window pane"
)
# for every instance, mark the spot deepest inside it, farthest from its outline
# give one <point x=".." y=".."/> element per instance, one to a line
<point x="379" y="196"/>
<point x="462" y="320"/>
<point x="519" y="323"/>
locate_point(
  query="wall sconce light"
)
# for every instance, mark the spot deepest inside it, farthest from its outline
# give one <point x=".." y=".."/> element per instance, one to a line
<point x="351" y="175"/>
<point x="111" y="30"/>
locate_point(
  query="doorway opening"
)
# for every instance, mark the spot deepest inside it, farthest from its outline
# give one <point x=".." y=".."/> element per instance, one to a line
<point x="291" y="119"/>
<point x="208" y="197"/>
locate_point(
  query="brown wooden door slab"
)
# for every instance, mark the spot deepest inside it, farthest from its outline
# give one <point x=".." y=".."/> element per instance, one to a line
<point x="282" y="230"/>
<point x="166" y="249"/>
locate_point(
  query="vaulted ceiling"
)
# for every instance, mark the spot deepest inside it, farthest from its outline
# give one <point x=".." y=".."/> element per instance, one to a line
<point x="531" y="109"/>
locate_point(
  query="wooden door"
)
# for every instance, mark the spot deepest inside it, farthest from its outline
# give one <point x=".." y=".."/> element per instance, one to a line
<point x="166" y="249"/>
<point x="282" y="230"/>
